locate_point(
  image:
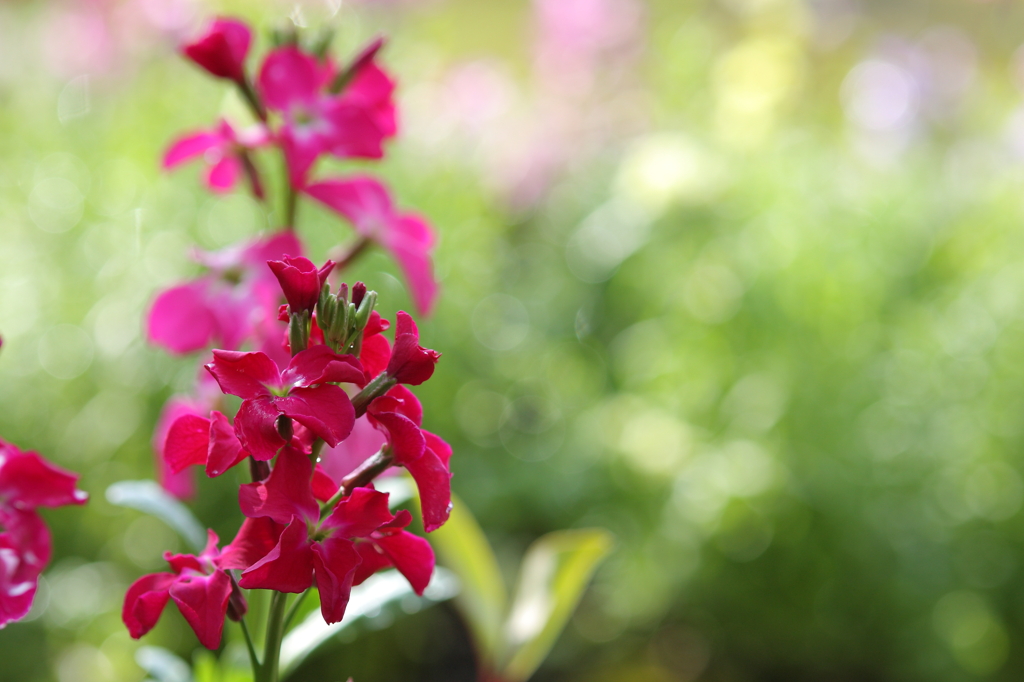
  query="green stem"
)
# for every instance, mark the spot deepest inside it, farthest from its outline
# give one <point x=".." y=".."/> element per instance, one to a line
<point x="380" y="385"/>
<point x="253" y="658"/>
<point x="291" y="198"/>
<point x="294" y="610"/>
<point x="345" y="259"/>
<point x="275" y="633"/>
<point x="249" y="94"/>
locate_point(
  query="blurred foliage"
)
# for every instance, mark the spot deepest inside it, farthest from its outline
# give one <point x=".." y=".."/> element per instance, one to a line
<point x="741" y="284"/>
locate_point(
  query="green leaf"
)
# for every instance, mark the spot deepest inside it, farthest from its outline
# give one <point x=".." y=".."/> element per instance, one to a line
<point x="368" y="599"/>
<point x="148" y="497"/>
<point x="463" y="548"/>
<point x="555" y="571"/>
<point x="163" y="665"/>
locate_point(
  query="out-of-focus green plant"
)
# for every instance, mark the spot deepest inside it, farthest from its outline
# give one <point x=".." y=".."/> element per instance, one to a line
<point x="513" y="638"/>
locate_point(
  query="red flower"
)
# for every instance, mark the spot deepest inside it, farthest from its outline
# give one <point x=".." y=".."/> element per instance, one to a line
<point x="199" y="586"/>
<point x="410" y="362"/>
<point x="27" y="481"/>
<point x="305" y="392"/>
<point x="399" y="415"/>
<point x="195" y="440"/>
<point x="329" y="549"/>
<point x="222" y="49"/>
<point x="301" y="281"/>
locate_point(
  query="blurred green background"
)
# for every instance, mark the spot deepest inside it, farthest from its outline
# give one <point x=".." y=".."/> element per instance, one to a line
<point x="740" y="280"/>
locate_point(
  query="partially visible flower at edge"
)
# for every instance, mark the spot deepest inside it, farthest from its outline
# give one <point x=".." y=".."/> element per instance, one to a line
<point x="27" y="481"/>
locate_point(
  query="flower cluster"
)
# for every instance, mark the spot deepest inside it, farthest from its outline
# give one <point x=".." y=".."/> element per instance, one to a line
<point x="27" y="482"/>
<point x="324" y="386"/>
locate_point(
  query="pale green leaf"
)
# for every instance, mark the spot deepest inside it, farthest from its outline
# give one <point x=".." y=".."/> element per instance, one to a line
<point x="367" y="600"/>
<point x="148" y="497"/>
<point x="555" y="571"/>
<point x="462" y="547"/>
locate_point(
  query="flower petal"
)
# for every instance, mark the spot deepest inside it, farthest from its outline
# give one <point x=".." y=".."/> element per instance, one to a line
<point x="288" y="567"/>
<point x="286" y="494"/>
<point x="319" y="364"/>
<point x="359" y="514"/>
<point x="180" y="319"/>
<point x="325" y="410"/>
<point x="335" y="560"/>
<point x="222" y="49"/>
<point x="224" y="450"/>
<point x="28" y="481"/>
<point x="288" y="78"/>
<point x="254" y="541"/>
<point x="190" y="146"/>
<point x="223" y="175"/>
<point x="411" y="555"/>
<point x="256" y="428"/>
<point x="410" y="362"/>
<point x="203" y="601"/>
<point x="246" y="375"/>
<point x="373" y="560"/>
<point x="434" y="483"/>
<point x="187" y="442"/>
<point x="24" y="553"/>
<point x="145" y="601"/>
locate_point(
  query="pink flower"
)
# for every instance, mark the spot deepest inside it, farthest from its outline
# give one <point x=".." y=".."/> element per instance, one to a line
<point x="399" y="415"/>
<point x="301" y="281"/>
<point x="224" y="152"/>
<point x="305" y="392"/>
<point x="222" y="49"/>
<point x="331" y="549"/>
<point x="353" y="124"/>
<point x="199" y="587"/>
<point x="27" y="481"/>
<point x="366" y="203"/>
<point x="233" y="303"/>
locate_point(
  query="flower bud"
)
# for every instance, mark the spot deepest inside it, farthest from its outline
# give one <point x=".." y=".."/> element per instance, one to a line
<point x="301" y="281"/>
<point x="222" y="49"/>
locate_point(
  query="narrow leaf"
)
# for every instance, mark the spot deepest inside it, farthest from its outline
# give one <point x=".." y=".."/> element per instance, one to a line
<point x="555" y="571"/>
<point x="368" y="599"/>
<point x="148" y="497"/>
<point x="462" y="546"/>
<point x="163" y="665"/>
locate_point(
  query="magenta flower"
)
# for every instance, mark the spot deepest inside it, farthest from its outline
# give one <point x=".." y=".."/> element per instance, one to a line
<point x="353" y="124"/>
<point x="222" y="49"/>
<point x="301" y="281"/>
<point x="199" y="587"/>
<point x="399" y="415"/>
<point x="237" y="300"/>
<point x="366" y="203"/>
<point x="410" y="363"/>
<point x="223" y="150"/>
<point x="210" y="443"/>
<point x="305" y="392"/>
<point x="27" y="481"/>
<point x="328" y="549"/>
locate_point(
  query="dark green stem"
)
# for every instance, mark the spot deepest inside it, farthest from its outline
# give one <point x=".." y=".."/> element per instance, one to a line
<point x="291" y="199"/>
<point x="252" y="99"/>
<point x="268" y="671"/>
<point x="253" y="658"/>
<point x="350" y="256"/>
<point x="294" y="610"/>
